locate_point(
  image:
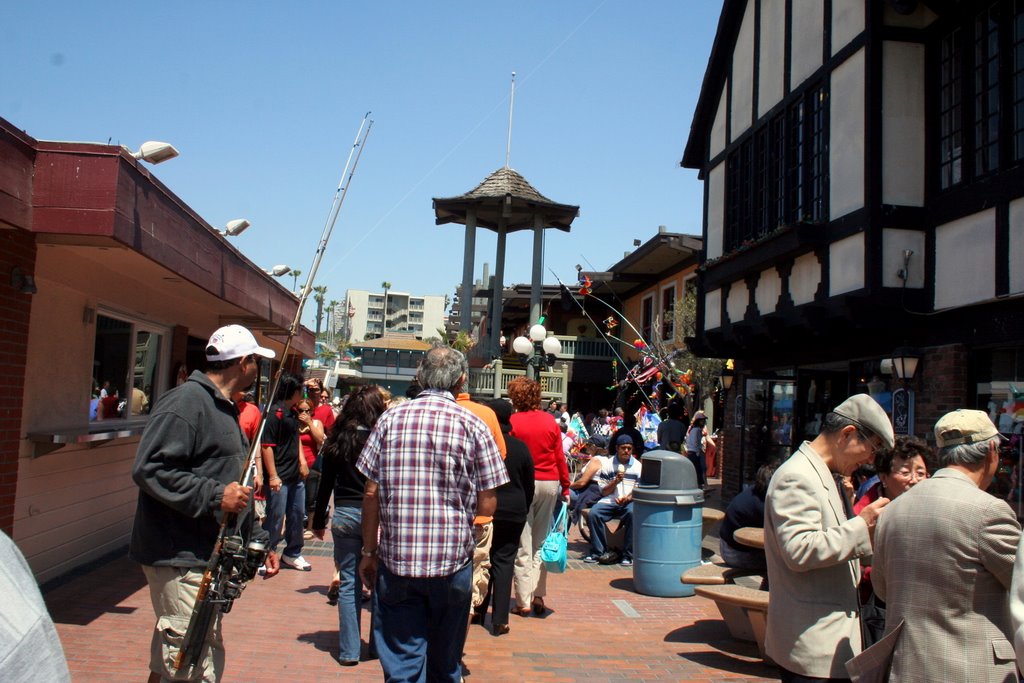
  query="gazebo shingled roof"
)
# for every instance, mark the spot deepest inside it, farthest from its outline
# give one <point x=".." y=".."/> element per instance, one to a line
<point x="504" y="193"/>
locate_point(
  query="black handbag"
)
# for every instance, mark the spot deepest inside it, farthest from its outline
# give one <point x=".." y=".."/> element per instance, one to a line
<point x="872" y="620"/>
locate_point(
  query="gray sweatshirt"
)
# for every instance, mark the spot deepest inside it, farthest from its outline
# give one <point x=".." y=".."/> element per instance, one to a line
<point x="191" y="449"/>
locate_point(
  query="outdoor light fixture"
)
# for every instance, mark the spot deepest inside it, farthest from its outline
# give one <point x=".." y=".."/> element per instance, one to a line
<point x="279" y="270"/>
<point x="235" y="228"/>
<point x="22" y="282"/>
<point x="156" y="152"/>
<point x="726" y="378"/>
<point x="904" y="363"/>
<point x="538" y="351"/>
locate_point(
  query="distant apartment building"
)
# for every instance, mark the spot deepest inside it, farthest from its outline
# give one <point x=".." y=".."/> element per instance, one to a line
<point x="420" y="316"/>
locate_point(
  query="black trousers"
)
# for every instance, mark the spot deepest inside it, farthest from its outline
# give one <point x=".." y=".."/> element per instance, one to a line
<point x="504" y="544"/>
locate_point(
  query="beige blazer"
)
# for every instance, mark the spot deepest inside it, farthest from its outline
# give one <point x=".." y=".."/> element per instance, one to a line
<point x="813" y="570"/>
<point x="943" y="559"/>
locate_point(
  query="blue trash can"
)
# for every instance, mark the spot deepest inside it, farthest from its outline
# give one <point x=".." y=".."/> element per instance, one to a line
<point x="668" y="510"/>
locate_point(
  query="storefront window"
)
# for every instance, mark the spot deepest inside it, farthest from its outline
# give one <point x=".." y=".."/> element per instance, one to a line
<point x="126" y="362"/>
<point x="768" y="419"/>
<point x="1000" y="393"/>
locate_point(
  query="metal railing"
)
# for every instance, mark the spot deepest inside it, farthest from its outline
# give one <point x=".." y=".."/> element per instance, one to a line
<point x="493" y="381"/>
<point x="584" y="348"/>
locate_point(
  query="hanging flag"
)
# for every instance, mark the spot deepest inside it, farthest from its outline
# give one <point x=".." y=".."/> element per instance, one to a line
<point x="647" y="422"/>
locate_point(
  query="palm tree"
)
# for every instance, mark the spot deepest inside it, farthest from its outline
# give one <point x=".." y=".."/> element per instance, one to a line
<point x="386" y="285"/>
<point x="332" y="307"/>
<point x="321" y="293"/>
<point x="295" y="279"/>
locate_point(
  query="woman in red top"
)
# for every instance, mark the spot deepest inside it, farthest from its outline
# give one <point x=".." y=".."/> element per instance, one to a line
<point x="311" y="437"/>
<point x="542" y="436"/>
<point x="899" y="469"/>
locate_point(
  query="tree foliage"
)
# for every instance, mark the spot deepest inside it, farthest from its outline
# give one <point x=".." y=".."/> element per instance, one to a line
<point x="705" y="370"/>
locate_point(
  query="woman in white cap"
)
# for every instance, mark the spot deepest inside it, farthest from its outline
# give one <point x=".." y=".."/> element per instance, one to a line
<point x="696" y="439"/>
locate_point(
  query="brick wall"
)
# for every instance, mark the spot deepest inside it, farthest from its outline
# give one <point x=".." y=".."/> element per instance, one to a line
<point x="940" y="385"/>
<point x="17" y="249"/>
<point x="729" y="460"/>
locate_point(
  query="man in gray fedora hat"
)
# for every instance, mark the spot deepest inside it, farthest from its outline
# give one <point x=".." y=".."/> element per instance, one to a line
<point x="813" y="544"/>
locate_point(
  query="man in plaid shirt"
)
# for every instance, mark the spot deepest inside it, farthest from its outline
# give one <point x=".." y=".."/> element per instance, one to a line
<point x="431" y="467"/>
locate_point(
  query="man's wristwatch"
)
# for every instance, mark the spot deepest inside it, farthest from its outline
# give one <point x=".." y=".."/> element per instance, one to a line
<point x="368" y="553"/>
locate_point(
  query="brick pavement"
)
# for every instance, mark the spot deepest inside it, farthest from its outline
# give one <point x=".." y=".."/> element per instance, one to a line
<point x="283" y="630"/>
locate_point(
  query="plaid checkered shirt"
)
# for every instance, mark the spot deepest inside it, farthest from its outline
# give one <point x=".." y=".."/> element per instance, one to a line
<point x="429" y="457"/>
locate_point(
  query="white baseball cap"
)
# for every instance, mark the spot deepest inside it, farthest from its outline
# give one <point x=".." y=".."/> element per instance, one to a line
<point x="234" y="341"/>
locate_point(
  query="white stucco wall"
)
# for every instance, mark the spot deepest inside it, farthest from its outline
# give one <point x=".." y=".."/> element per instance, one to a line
<point x="808" y="23"/>
<point x="1016" y="246"/>
<point x="736" y="304"/>
<point x="771" y="74"/>
<point x="769" y="288"/>
<point x="716" y="211"/>
<point x="846" y="265"/>
<point x="713" y="309"/>
<point x="903" y="142"/>
<point x="717" y="141"/>
<point x="846" y="144"/>
<point x="742" y="102"/>
<point x="965" y="260"/>
<point x="894" y="242"/>
<point x="847" y="22"/>
<point x="805" y="278"/>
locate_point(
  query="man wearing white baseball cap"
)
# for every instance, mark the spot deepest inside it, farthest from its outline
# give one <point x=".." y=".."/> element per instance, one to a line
<point x="944" y="554"/>
<point x="188" y="468"/>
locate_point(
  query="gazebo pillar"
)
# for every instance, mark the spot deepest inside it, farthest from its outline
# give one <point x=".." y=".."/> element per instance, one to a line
<point x="537" y="280"/>
<point x="468" y="256"/>
<point x="499" y="287"/>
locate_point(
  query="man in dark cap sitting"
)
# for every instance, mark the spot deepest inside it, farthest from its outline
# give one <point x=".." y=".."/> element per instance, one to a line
<point x="617" y="477"/>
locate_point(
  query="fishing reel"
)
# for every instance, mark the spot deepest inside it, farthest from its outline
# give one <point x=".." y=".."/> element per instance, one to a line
<point x="239" y="564"/>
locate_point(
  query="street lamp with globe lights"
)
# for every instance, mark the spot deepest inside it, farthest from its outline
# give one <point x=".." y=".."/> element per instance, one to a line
<point x="538" y="351"/>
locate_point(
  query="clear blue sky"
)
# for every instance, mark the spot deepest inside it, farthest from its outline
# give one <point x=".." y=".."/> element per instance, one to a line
<point x="263" y="99"/>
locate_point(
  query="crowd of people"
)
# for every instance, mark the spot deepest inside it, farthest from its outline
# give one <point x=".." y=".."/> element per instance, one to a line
<point x="438" y="507"/>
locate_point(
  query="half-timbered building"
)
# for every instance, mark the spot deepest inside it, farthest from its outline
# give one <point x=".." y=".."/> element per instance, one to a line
<point x="863" y="169"/>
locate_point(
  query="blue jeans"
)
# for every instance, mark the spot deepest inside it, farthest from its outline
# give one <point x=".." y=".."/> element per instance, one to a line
<point x="419" y="625"/>
<point x="602" y="513"/>
<point x="288" y="504"/>
<point x="699" y="464"/>
<point x="346" y="528"/>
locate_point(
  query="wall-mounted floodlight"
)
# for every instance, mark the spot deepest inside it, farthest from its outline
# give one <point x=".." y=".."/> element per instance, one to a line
<point x="235" y="228"/>
<point x="280" y="270"/>
<point x="156" y="152"/>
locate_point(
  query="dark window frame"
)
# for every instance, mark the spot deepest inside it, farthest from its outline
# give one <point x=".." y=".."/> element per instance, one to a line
<point x="778" y="173"/>
<point x="976" y="63"/>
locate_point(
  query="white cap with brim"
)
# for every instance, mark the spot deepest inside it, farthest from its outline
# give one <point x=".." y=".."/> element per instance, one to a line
<point x="867" y="413"/>
<point x="964" y="427"/>
<point x="234" y="341"/>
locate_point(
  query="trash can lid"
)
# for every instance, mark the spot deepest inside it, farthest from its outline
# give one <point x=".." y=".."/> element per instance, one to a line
<point x="667" y="477"/>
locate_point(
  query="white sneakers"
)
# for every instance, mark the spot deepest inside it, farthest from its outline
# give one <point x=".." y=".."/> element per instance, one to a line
<point x="296" y="563"/>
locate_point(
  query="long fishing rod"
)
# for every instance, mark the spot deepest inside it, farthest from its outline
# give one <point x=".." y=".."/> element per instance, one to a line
<point x="354" y="154"/>
<point x="597" y="326"/>
<point x="232" y="563"/>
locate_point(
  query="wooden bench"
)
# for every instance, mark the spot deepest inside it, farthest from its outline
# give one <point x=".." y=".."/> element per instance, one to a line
<point x="710" y="518"/>
<point x="744" y="610"/>
<point x="714" y="574"/>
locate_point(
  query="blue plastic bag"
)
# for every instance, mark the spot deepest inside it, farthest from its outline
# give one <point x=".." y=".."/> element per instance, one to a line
<point x="554" y="552"/>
